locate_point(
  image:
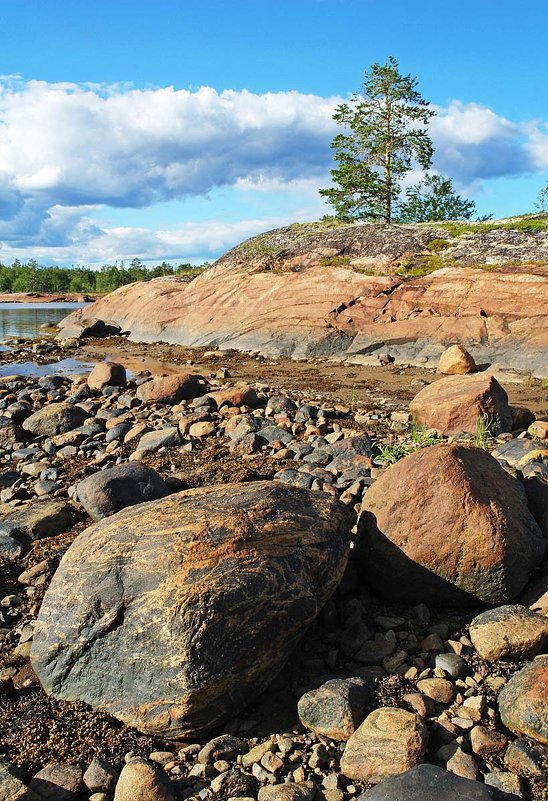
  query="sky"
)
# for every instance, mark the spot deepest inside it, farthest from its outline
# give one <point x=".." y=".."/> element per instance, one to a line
<point x="174" y="129"/>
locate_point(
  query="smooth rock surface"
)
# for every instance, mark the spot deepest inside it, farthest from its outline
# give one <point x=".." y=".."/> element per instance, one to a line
<point x="108" y="491"/>
<point x="175" y="614"/>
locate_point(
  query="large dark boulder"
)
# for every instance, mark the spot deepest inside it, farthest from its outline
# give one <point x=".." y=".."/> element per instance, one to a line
<point x="108" y="491"/>
<point x="447" y="526"/>
<point x="172" y="616"/>
<point x="429" y="783"/>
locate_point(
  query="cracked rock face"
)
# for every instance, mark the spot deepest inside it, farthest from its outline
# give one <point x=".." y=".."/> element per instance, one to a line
<point x="447" y="526"/>
<point x="173" y="615"/>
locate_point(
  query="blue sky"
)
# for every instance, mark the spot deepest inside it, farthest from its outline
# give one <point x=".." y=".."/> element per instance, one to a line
<point x="166" y="129"/>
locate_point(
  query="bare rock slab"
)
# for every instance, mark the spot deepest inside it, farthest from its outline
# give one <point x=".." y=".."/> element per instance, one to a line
<point x="523" y="702"/>
<point x="388" y="742"/>
<point x="447" y="526"/>
<point x="510" y="633"/>
<point x="173" y="615"/>
<point x="454" y="404"/>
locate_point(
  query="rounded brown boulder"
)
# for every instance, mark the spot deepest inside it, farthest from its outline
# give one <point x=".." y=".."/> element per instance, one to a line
<point x="447" y="526"/>
<point x="171" y="389"/>
<point x="173" y="615"/>
<point x="456" y="360"/>
<point x="107" y="374"/>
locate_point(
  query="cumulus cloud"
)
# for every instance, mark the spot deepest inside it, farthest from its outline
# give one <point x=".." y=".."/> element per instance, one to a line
<point x="185" y="242"/>
<point x="67" y="149"/>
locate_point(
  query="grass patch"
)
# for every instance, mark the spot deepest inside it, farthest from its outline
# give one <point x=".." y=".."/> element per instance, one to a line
<point x="438" y="244"/>
<point x="527" y="225"/>
<point x="423" y="265"/>
<point x="335" y="261"/>
<point x="482" y="434"/>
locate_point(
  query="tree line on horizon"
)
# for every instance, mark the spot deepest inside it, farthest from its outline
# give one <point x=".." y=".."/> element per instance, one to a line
<point x="32" y="277"/>
<point x="384" y="137"/>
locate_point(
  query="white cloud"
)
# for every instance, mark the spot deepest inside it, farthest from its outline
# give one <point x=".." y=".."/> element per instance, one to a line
<point x="189" y="241"/>
<point x="67" y="149"/>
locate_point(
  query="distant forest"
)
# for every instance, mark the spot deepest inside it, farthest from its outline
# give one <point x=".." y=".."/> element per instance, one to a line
<point x="32" y="277"/>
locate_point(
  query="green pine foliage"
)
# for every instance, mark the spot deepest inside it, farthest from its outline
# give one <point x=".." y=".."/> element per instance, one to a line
<point x="434" y="199"/>
<point x="384" y="136"/>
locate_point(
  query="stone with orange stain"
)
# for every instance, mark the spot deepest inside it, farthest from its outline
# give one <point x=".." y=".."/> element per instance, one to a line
<point x="523" y="703"/>
<point x="175" y="614"/>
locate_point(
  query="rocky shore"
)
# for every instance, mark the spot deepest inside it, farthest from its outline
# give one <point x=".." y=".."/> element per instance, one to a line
<point x="214" y="586"/>
<point x="355" y="292"/>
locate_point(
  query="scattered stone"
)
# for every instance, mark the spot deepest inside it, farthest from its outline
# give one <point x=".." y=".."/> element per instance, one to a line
<point x="100" y="777"/>
<point x="429" y="783"/>
<point x="300" y="791"/>
<point x="154" y="440"/>
<point x="108" y="491"/>
<point x="57" y="418"/>
<point x="539" y="429"/>
<point x="441" y="691"/>
<point x="511" y="633"/>
<point x="172" y="389"/>
<point x="142" y="780"/>
<point x="526" y="757"/>
<point x="508" y="783"/>
<point x="523" y="702"/>
<point x="456" y="361"/>
<point x="486" y="742"/>
<point x="106" y="374"/>
<point x="58" y="782"/>
<point x="38" y="520"/>
<point x="12" y="788"/>
<point x="388" y="742"/>
<point x="224" y="747"/>
<point x="336" y="708"/>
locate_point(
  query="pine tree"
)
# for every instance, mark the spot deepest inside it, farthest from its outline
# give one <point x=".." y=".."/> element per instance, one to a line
<point x="386" y="134"/>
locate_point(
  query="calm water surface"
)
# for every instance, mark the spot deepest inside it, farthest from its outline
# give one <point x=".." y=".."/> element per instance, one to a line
<point x="25" y="319"/>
